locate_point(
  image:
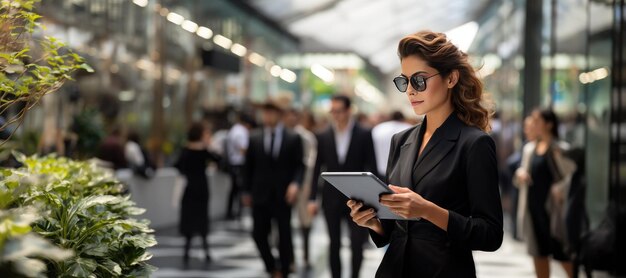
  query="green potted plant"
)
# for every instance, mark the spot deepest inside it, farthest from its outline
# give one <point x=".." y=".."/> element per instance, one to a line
<point x="58" y="217"/>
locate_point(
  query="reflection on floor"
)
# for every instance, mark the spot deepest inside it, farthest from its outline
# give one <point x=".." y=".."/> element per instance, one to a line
<point x="234" y="255"/>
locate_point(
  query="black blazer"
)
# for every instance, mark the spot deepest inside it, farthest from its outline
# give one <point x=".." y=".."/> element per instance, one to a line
<point x="457" y="170"/>
<point x="266" y="178"/>
<point x="360" y="158"/>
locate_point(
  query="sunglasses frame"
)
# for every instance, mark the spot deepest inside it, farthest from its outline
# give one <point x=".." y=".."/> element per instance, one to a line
<point x="417" y="81"/>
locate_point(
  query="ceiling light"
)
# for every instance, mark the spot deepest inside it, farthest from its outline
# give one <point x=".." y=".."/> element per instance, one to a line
<point x="141" y="3"/>
<point x="238" y="50"/>
<point x="175" y="18"/>
<point x="463" y="36"/>
<point x="256" y="59"/>
<point x="276" y="71"/>
<point x="222" y="41"/>
<point x="204" y="32"/>
<point x="323" y="73"/>
<point x="190" y="26"/>
<point x="288" y="75"/>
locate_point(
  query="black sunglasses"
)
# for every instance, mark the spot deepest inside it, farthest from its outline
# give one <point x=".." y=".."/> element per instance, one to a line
<point x="417" y="81"/>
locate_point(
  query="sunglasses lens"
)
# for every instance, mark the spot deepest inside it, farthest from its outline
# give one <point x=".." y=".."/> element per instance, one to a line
<point x="418" y="82"/>
<point x="401" y="83"/>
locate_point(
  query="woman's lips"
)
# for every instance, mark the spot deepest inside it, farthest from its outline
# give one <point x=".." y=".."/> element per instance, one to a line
<point x="416" y="102"/>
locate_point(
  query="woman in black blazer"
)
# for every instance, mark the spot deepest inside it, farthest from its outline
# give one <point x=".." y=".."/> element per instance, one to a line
<point x="443" y="171"/>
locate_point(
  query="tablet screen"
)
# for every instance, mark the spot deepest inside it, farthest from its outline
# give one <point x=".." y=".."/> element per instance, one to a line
<point x="364" y="187"/>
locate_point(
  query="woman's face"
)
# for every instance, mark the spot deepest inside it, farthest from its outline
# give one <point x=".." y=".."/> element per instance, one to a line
<point x="529" y="128"/>
<point x="542" y="127"/>
<point x="436" y="94"/>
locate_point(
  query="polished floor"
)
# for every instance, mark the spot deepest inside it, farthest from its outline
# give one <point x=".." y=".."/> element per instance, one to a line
<point x="234" y="255"/>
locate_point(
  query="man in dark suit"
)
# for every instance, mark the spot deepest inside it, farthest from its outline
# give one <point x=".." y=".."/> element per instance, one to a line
<point x="344" y="147"/>
<point x="273" y="176"/>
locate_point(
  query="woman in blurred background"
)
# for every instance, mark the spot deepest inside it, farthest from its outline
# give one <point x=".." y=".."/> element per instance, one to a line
<point x="192" y="163"/>
<point x="544" y="173"/>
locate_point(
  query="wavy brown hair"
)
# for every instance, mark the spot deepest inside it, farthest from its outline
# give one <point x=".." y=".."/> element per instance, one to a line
<point x="468" y="99"/>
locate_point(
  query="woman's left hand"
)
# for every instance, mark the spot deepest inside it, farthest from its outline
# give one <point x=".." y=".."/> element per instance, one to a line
<point x="406" y="203"/>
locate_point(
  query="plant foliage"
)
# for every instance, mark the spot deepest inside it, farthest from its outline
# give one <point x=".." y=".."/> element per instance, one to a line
<point x="30" y="68"/>
<point x="82" y="210"/>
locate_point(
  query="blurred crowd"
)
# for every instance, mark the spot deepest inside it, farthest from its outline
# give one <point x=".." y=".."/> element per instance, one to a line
<point x="273" y="154"/>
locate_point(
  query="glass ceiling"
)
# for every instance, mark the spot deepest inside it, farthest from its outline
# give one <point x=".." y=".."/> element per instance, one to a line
<point x="370" y="28"/>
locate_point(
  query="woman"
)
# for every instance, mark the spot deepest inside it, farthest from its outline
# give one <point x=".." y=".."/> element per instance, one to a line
<point x="545" y="174"/>
<point x="443" y="171"/>
<point x="192" y="163"/>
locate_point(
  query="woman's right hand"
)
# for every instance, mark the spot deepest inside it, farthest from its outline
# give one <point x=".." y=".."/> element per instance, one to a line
<point x="523" y="177"/>
<point x="364" y="218"/>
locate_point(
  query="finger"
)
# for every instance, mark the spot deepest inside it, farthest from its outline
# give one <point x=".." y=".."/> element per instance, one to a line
<point x="350" y="203"/>
<point x="389" y="197"/>
<point x="364" y="216"/>
<point x="395" y="205"/>
<point x="399" y="189"/>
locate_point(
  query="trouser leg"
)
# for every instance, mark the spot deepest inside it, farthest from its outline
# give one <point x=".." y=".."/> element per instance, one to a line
<point x="285" y="240"/>
<point x="333" y="223"/>
<point x="260" y="232"/>
<point x="358" y="237"/>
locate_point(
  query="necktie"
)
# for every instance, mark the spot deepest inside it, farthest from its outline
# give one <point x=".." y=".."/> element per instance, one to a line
<point x="272" y="137"/>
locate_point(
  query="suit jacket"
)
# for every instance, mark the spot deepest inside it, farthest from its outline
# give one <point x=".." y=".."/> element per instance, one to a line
<point x="360" y="158"/>
<point x="267" y="178"/>
<point x="457" y="170"/>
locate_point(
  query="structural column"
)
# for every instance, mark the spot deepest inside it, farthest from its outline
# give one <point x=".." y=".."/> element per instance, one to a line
<point x="532" y="55"/>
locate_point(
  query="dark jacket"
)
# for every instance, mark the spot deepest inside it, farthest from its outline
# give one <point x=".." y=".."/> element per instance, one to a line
<point x="266" y="178"/>
<point x="457" y="170"/>
<point x="360" y="158"/>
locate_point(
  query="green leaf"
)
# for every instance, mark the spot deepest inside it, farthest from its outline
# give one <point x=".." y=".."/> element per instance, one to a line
<point x="112" y="267"/>
<point x="81" y="267"/>
<point x="142" y="240"/>
<point x="86" y="67"/>
<point x="96" y="250"/>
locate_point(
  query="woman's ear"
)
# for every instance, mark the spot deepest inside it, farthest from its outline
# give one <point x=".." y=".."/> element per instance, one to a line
<point x="453" y="78"/>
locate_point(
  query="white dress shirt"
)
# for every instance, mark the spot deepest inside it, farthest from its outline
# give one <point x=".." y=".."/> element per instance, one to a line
<point x="278" y="138"/>
<point x="237" y="141"/>
<point x="381" y="135"/>
<point x="342" y="140"/>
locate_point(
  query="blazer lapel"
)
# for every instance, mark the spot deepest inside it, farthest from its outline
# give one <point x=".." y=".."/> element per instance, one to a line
<point x="408" y="154"/>
<point x="283" y="144"/>
<point x="333" y="145"/>
<point x="438" y="147"/>
<point x="351" y="145"/>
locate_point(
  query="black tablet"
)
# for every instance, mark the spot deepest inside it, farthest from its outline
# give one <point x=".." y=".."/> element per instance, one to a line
<point x="364" y="187"/>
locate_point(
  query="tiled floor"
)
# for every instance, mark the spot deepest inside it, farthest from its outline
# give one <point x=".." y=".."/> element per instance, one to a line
<point x="234" y="255"/>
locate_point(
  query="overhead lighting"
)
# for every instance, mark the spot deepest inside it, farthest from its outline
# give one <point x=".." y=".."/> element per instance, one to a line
<point x="368" y="92"/>
<point x="141" y="3"/>
<point x="204" y="32"/>
<point x="323" y="73"/>
<point x="175" y="18"/>
<point x="288" y="75"/>
<point x="222" y="41"/>
<point x="256" y="59"/>
<point x="190" y="26"/>
<point x="593" y="76"/>
<point x="276" y="70"/>
<point x="238" y="50"/>
<point x="145" y="64"/>
<point x="463" y="36"/>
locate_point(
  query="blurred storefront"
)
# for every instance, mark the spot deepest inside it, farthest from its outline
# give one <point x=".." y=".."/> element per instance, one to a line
<point x="570" y="58"/>
<point x="160" y="64"/>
